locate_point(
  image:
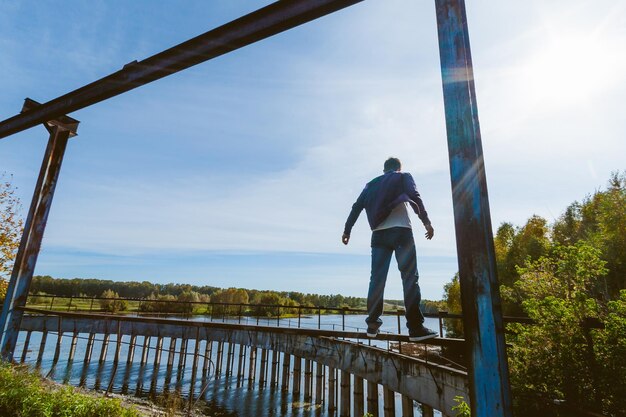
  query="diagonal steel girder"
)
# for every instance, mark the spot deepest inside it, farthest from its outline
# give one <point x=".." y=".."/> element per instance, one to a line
<point x="263" y="23"/>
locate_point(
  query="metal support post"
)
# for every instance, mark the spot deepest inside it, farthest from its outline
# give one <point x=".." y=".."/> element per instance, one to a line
<point x="60" y="130"/>
<point x="482" y="312"/>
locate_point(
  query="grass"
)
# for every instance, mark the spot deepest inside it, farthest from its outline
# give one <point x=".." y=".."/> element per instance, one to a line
<point x="23" y="393"/>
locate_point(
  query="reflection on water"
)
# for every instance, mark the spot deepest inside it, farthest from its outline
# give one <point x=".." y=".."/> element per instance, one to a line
<point x="226" y="384"/>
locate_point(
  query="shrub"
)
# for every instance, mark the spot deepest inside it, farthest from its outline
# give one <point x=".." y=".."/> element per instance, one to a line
<point x="23" y="393"/>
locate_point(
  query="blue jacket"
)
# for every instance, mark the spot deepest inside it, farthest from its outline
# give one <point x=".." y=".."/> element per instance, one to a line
<point x="382" y="194"/>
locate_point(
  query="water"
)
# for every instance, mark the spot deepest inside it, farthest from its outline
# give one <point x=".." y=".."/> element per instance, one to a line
<point x="227" y="395"/>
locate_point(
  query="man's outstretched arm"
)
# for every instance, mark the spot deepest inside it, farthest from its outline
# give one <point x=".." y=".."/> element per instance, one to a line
<point x="357" y="207"/>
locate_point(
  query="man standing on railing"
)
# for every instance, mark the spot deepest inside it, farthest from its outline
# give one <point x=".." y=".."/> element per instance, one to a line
<point x="386" y="199"/>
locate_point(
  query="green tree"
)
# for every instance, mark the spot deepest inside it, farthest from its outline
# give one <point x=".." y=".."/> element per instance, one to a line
<point x="10" y="230"/>
<point x="111" y="302"/>
<point x="452" y="300"/>
<point x="549" y="361"/>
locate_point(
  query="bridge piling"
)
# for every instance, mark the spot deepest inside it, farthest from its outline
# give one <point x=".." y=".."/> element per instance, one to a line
<point x="218" y="360"/>
<point x="241" y="365"/>
<point x="344" y="399"/>
<point x="407" y="407"/>
<point x="172" y="350"/>
<point x="105" y="347"/>
<point x="229" y="359"/>
<point x="263" y="364"/>
<point x="158" y="351"/>
<point x="73" y="347"/>
<point x="307" y="380"/>
<point x="332" y="390"/>
<point x="145" y="350"/>
<point x="427" y="411"/>
<point x="252" y="367"/>
<point x="183" y="353"/>
<point x="208" y="349"/>
<point x="131" y="349"/>
<point x="359" y="409"/>
<point x="274" y="374"/>
<point x="89" y="348"/>
<point x="389" y="404"/>
<point x="372" y="398"/>
<point x="319" y="382"/>
<point x="57" y="351"/>
<point x="286" y="368"/>
<point x="297" y="375"/>
<point x="26" y="343"/>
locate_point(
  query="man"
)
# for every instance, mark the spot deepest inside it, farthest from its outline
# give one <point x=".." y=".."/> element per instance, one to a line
<point x="386" y="199"/>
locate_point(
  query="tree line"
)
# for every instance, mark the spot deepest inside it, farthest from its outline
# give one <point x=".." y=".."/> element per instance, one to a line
<point x="560" y="275"/>
<point x="158" y="297"/>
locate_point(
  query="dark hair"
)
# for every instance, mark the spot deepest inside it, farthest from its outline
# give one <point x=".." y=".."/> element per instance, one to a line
<point x="392" y="164"/>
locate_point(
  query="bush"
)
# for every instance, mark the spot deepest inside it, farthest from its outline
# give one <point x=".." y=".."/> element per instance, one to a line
<point x="24" y="394"/>
<point x="112" y="306"/>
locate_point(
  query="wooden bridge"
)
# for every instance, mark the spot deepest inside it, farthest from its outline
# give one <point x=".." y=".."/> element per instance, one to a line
<point x="333" y="372"/>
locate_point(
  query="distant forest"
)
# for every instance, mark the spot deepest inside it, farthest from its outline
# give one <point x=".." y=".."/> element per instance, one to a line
<point x="90" y="287"/>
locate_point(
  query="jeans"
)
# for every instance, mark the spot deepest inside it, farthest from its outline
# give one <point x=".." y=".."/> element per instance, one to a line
<point x="384" y="243"/>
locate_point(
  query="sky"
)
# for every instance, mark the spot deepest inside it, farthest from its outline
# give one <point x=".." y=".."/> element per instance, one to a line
<point x="241" y="171"/>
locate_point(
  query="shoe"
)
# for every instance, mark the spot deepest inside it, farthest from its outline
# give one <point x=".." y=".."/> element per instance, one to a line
<point x="422" y="333"/>
<point x="371" y="332"/>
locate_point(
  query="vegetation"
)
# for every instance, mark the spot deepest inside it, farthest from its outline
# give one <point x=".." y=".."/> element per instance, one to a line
<point x="563" y="276"/>
<point x="111" y="302"/>
<point x="10" y="230"/>
<point x="157" y="298"/>
<point x="25" y="394"/>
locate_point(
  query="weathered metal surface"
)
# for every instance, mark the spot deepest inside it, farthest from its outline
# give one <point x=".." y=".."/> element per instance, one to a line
<point x="261" y="24"/>
<point x="30" y="243"/>
<point x="489" y="381"/>
<point x="427" y="383"/>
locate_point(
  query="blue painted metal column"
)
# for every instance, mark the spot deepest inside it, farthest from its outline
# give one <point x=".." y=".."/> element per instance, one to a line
<point x="482" y="312"/>
<point x="60" y="130"/>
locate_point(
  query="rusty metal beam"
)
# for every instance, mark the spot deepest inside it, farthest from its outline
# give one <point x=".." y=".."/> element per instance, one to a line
<point x="482" y="313"/>
<point x="30" y="243"/>
<point x="263" y="23"/>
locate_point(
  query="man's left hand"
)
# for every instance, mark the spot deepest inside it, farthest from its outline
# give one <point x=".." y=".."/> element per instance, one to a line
<point x="345" y="239"/>
<point x="430" y="232"/>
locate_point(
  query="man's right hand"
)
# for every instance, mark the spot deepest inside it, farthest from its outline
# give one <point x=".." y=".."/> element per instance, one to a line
<point x="430" y="232"/>
<point x="345" y="239"/>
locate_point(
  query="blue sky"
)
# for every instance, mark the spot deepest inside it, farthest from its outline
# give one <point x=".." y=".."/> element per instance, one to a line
<point x="241" y="171"/>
